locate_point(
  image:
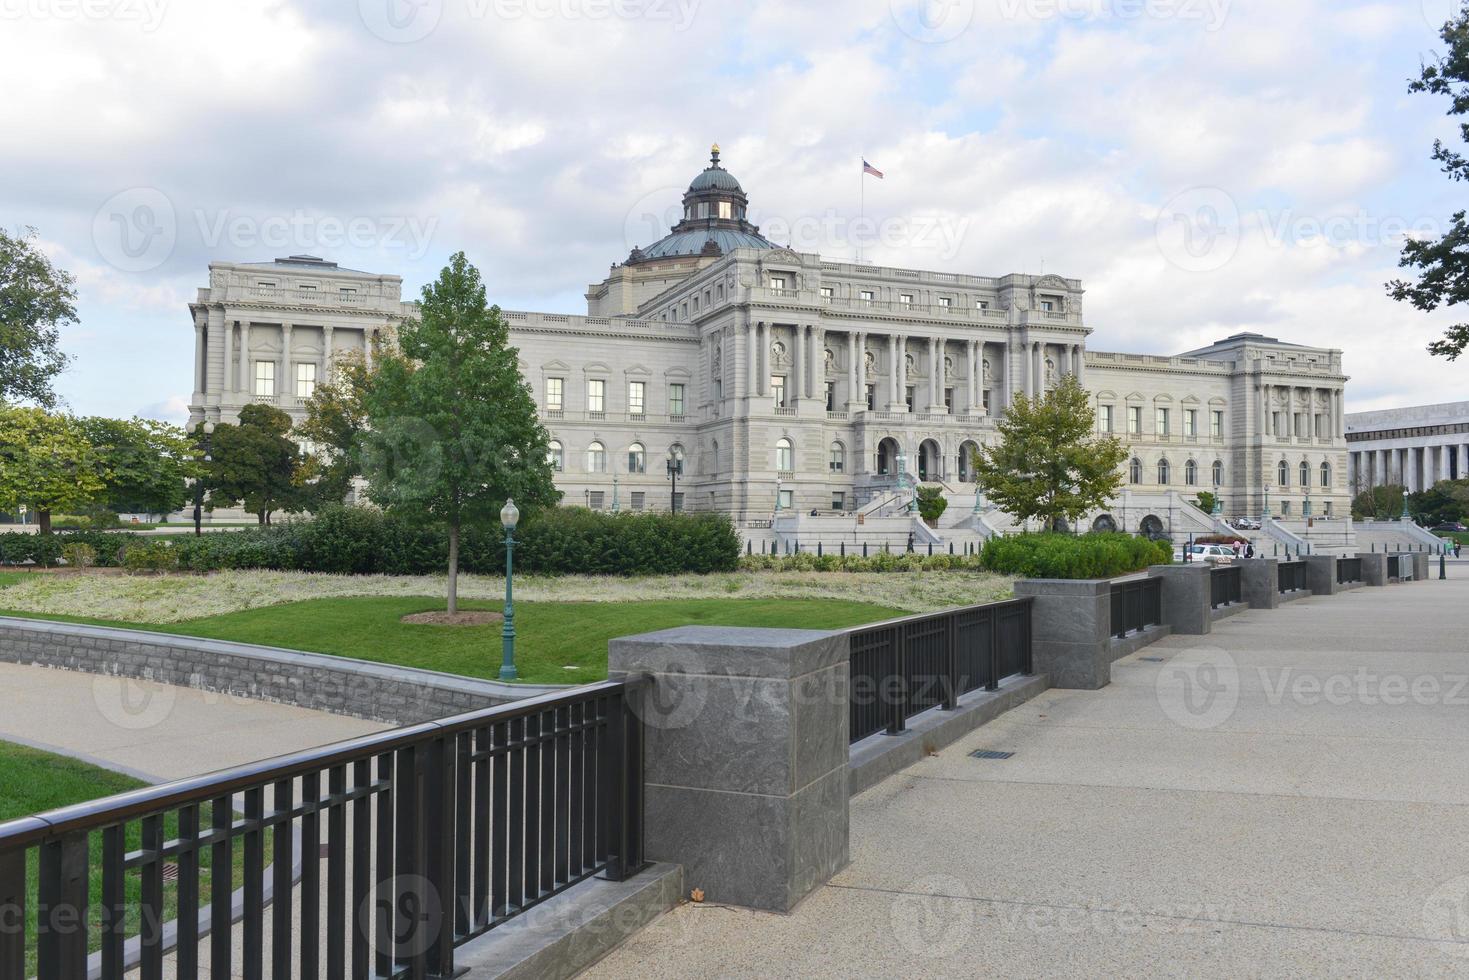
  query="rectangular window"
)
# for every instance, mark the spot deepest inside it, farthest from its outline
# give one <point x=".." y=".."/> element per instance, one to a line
<point x="1047" y="306"/>
<point x="636" y="397"/>
<point x="778" y="390"/>
<point x="263" y="284"/>
<point x="726" y="210"/>
<point x="683" y="311"/>
<point x="1190" y="422"/>
<point x="946" y="301"/>
<point x="949" y="400"/>
<point x="838" y="500"/>
<point x="866" y="296"/>
<point x="305" y="380"/>
<point x="637" y="499"/>
<point x="910" y="395"/>
<point x="696" y="302"/>
<point x="305" y="287"/>
<point x="980" y="304"/>
<point x="1104" y="418"/>
<point x="1134" y="420"/>
<point x="827" y="293"/>
<point x="787" y="499"/>
<point x="831" y="396"/>
<point x="597" y="396"/>
<point x="872" y="398"/>
<point x="595" y="499"/>
<point x="1285" y="508"/>
<point x="906" y="299"/>
<point x="778" y="283"/>
<point x="986" y="399"/>
<point x="675" y="399"/>
<point x="1216" y="424"/>
<point x="1160" y="427"/>
<point x="555" y="394"/>
<point x="718" y="390"/>
<point x="265" y="379"/>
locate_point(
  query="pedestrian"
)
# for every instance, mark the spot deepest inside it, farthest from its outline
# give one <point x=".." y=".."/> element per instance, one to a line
<point x="1458" y="546"/>
<point x="1250" y="550"/>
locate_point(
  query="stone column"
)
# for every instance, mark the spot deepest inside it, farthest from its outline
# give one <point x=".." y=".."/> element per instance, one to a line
<point x="247" y="381"/>
<point x="1187" y="595"/>
<point x="1078" y="355"/>
<point x="326" y="354"/>
<point x="753" y="340"/>
<point x="745" y="757"/>
<point x="1260" y="582"/>
<point x="796" y="382"/>
<point x="973" y="403"/>
<point x="226" y="334"/>
<point x="895" y="370"/>
<point x="1037" y="370"/>
<point x="859" y="360"/>
<point x="937" y="380"/>
<point x="285" y="386"/>
<point x="1264" y="410"/>
<point x="1374" y="567"/>
<point x="762" y="357"/>
<point x="818" y="365"/>
<point x="1321" y="574"/>
<point x="1071" y="630"/>
<point x="201" y="357"/>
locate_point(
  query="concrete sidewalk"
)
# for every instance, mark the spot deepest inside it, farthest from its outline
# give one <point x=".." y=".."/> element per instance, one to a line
<point x="1285" y="796"/>
<point x="156" y="732"/>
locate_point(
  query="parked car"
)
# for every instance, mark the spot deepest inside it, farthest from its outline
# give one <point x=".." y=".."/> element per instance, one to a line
<point x="1245" y="524"/>
<point x="1212" y="553"/>
<point x="1450" y="526"/>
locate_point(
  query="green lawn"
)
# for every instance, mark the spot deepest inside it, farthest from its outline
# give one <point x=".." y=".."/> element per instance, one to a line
<point x="32" y="781"/>
<point x="550" y="636"/>
<point x="10" y="578"/>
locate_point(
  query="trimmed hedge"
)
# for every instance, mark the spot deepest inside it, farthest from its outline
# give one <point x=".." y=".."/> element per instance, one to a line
<point x="363" y="541"/>
<point x="897" y="561"/>
<point x="1097" y="555"/>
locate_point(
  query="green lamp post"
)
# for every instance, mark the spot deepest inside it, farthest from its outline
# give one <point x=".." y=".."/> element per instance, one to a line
<point x="1265" y="511"/>
<point x="616" y="503"/>
<point x="1406" y="516"/>
<point x="509" y="517"/>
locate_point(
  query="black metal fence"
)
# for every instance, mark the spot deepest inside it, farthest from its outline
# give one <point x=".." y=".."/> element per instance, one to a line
<point x="1348" y="570"/>
<point x="1292" y="576"/>
<point x="1136" y="605"/>
<point x="429" y="835"/>
<point x="904" y="666"/>
<point x="1225" y="588"/>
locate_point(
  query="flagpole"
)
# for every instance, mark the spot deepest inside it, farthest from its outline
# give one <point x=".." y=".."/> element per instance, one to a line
<point x="862" y="207"/>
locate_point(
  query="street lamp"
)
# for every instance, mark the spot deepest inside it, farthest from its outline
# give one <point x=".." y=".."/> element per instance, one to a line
<point x="509" y="517"/>
<point x="778" y="485"/>
<point x="616" y="503"/>
<point x="1265" y="511"/>
<point x="208" y="430"/>
<point x="675" y="467"/>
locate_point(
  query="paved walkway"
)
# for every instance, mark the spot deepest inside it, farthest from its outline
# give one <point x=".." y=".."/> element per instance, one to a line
<point x="155" y="731"/>
<point x="1285" y="796"/>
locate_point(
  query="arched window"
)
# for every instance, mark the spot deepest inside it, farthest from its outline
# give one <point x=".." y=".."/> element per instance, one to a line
<point x="1282" y="474"/>
<point x="838" y="457"/>
<point x="1191" y="473"/>
<point x="596" y="458"/>
<point x="785" y="456"/>
<point x="1135" y="471"/>
<point x="556" y="456"/>
<point x="1163" y="472"/>
<point x="637" y="458"/>
<point x="1218" y="472"/>
<point x="1325" y="475"/>
<point x="1305" y="474"/>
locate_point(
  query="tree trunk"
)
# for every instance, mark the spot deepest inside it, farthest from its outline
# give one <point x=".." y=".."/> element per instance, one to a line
<point x="260" y="516"/>
<point x="43" y="518"/>
<point x="453" y="568"/>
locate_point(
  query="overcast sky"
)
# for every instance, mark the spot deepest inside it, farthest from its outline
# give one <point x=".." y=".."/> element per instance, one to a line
<point x="1203" y="166"/>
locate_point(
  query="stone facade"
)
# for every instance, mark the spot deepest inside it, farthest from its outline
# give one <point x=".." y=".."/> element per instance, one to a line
<point x="785" y="380"/>
<point x="1413" y="447"/>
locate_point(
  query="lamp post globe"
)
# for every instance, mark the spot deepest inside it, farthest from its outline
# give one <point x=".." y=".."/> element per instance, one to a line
<point x="675" y="467"/>
<point x="509" y="518"/>
<point x="208" y="429"/>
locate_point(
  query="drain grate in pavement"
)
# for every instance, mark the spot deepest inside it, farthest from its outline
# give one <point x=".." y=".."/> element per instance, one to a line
<point x="990" y="754"/>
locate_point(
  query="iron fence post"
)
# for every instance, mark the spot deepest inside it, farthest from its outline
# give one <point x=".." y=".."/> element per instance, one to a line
<point x="12" y="913"/>
<point x="993" y="684"/>
<point x="61" y="909"/>
<point x="951" y="662"/>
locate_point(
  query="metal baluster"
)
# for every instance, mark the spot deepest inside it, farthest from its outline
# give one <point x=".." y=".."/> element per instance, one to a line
<point x="310" y="942"/>
<point x="186" y="959"/>
<point x="114" y="904"/>
<point x="221" y="865"/>
<point x="281" y="931"/>
<point x="13" y="906"/>
<point x="336" y="873"/>
<point x="254" y="922"/>
<point x="61" y="899"/>
<point x="150" y="904"/>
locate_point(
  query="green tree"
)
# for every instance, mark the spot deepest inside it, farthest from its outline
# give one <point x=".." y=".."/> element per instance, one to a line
<point x="931" y="503"/>
<point x="47" y="463"/>
<point x="1442" y="264"/>
<point x="36" y="299"/>
<point x="1206" y="501"/>
<point x="451" y="429"/>
<point x="1439" y="504"/>
<point x="148" y="463"/>
<point x="334" y="423"/>
<point x="1049" y="463"/>
<point x="256" y="464"/>
<point x="1380" y="503"/>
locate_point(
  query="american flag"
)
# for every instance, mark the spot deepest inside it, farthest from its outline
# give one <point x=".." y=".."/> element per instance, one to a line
<point x="868" y="168"/>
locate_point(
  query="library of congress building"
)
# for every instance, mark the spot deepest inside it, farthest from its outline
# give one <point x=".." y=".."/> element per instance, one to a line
<point x="781" y="382"/>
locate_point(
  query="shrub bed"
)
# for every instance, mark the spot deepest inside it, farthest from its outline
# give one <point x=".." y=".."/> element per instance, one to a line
<point x="363" y="541"/>
<point x="879" y="562"/>
<point x="1066" y="556"/>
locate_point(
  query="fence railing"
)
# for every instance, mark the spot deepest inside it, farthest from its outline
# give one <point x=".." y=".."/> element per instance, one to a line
<point x="904" y="666"/>
<point x="1292" y="576"/>
<point x="1348" y="570"/>
<point x="1136" y="605"/>
<point x="1400" y="566"/>
<point x="1225" y="587"/>
<point x="430" y="835"/>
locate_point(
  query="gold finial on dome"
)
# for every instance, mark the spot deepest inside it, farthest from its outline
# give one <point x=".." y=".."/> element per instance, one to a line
<point x="714" y="155"/>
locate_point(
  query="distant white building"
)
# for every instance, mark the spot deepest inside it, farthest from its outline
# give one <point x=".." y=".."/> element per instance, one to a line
<point x="1413" y="447"/>
<point x="789" y="384"/>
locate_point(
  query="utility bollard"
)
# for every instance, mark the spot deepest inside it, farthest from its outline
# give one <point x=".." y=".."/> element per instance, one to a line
<point x="1441" y="573"/>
